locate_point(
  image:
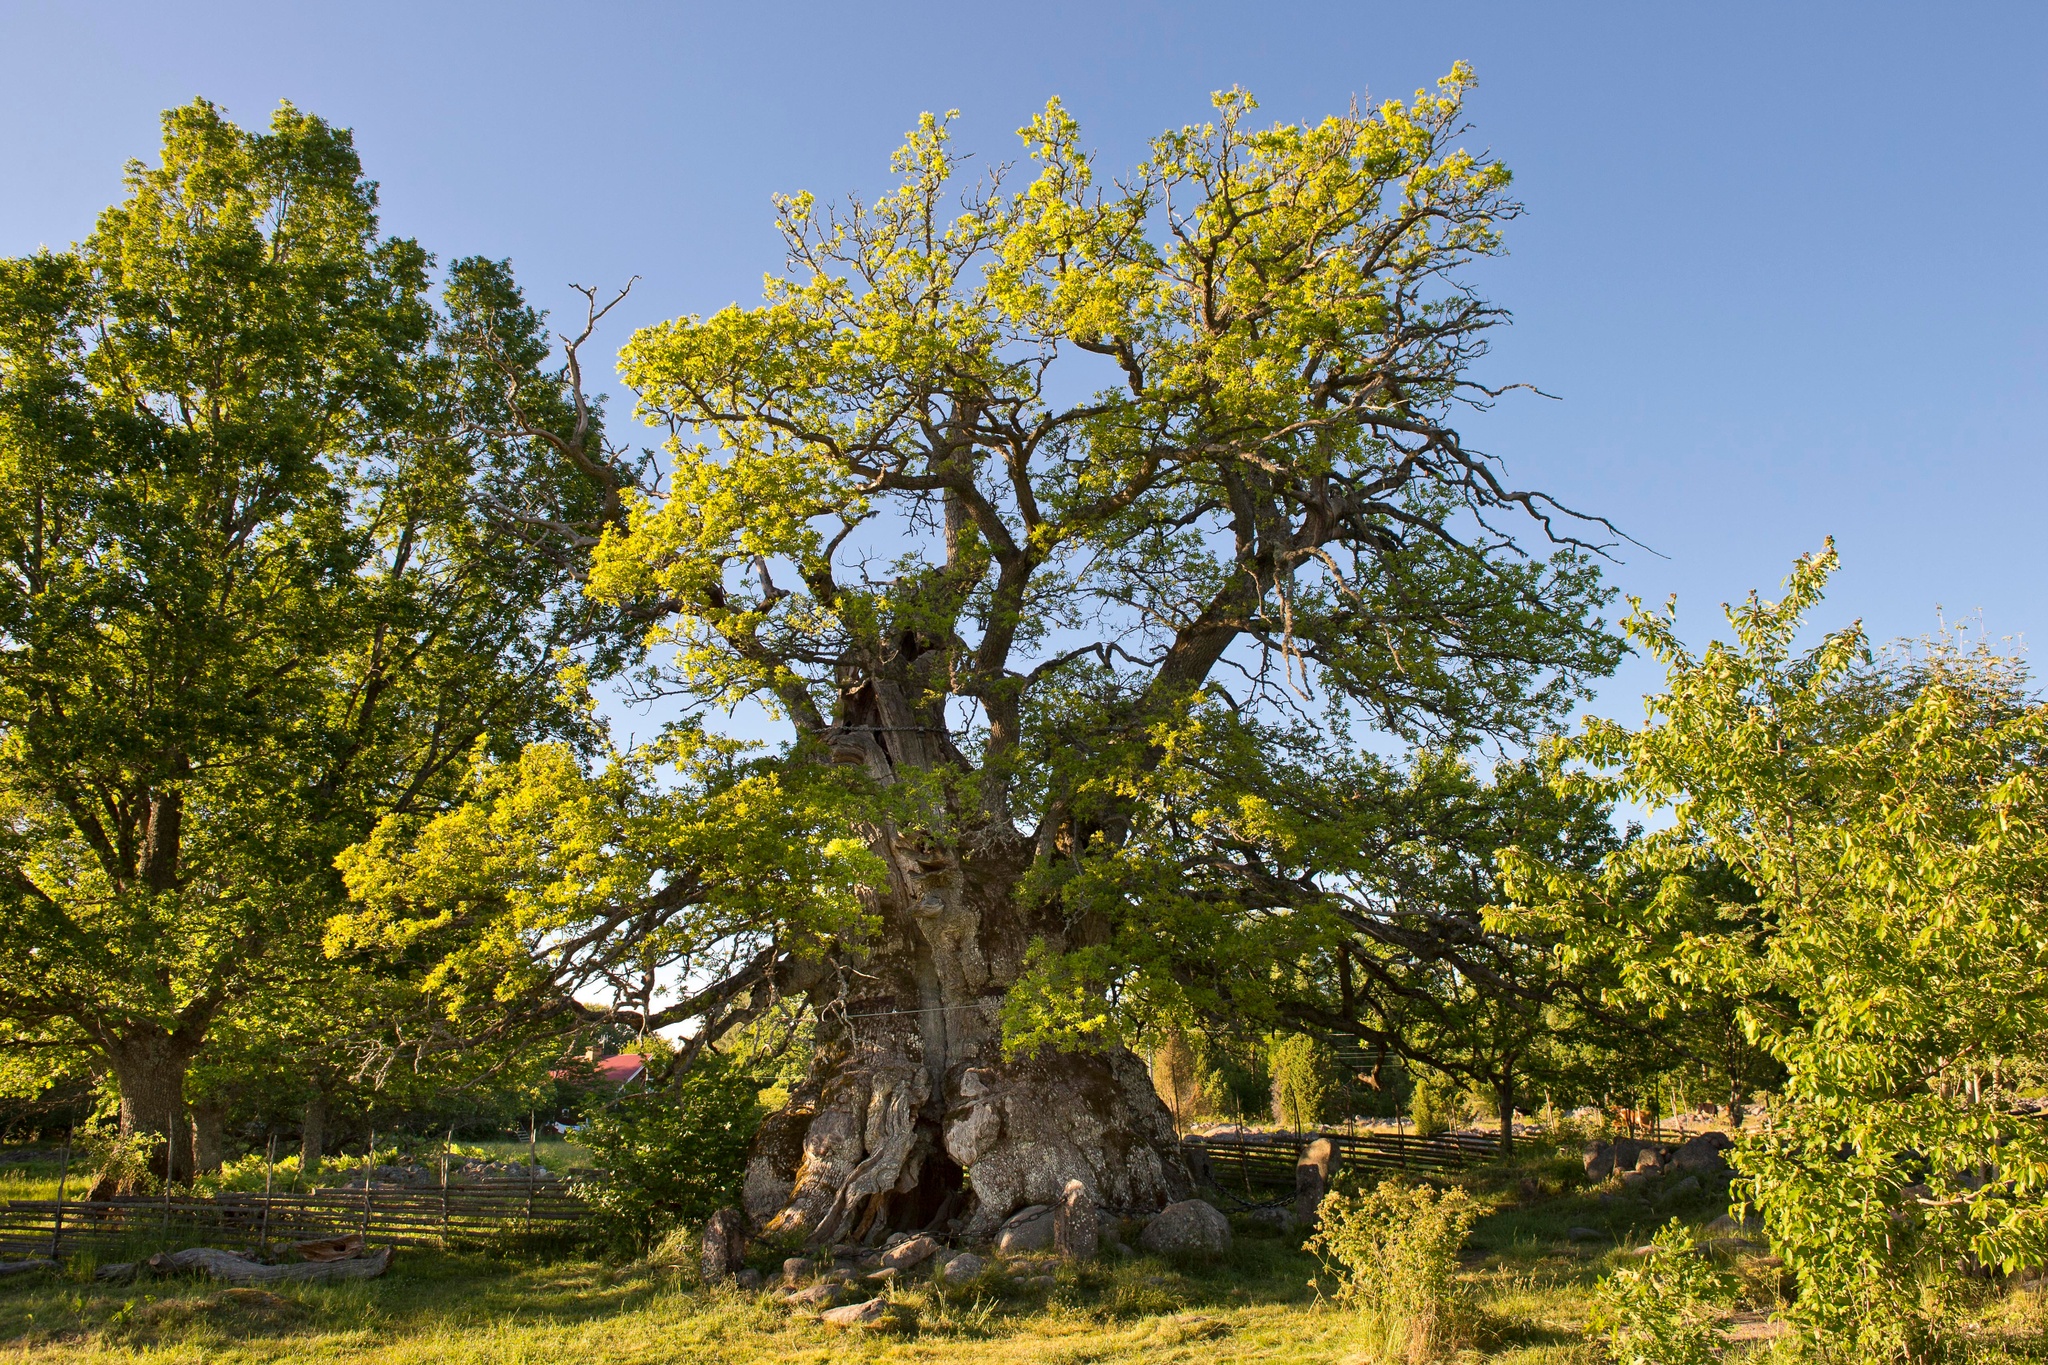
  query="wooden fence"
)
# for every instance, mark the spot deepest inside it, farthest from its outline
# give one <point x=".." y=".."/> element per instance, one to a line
<point x="483" y="1212"/>
<point x="1249" y="1169"/>
<point x="1258" y="1168"/>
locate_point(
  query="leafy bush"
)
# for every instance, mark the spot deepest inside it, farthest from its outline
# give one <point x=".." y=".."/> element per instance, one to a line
<point x="1436" y="1106"/>
<point x="1558" y="1128"/>
<point x="114" y="1161"/>
<point x="1304" y="1081"/>
<point x="1179" y="1077"/>
<point x="1665" y="1309"/>
<point x="670" y="1156"/>
<point x="1394" y="1251"/>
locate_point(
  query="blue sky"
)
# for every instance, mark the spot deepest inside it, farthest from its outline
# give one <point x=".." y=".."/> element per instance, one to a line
<point x="1783" y="265"/>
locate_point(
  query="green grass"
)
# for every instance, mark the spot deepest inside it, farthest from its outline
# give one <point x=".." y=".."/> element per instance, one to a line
<point x="1526" y="1290"/>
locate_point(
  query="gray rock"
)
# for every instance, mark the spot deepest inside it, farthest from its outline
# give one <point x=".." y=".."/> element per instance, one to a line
<point x="1076" y="1227"/>
<point x="724" y="1246"/>
<point x="1190" y="1227"/>
<point x="1704" y="1155"/>
<point x="1028" y="1229"/>
<point x="1280" y="1217"/>
<point x="961" y="1268"/>
<point x="817" y="1296"/>
<point x="1585" y="1235"/>
<point x="1637" y="1182"/>
<point x="1650" y="1159"/>
<point x="869" y="1314"/>
<point x="797" y="1269"/>
<point x="1726" y="1226"/>
<point x="1683" y="1189"/>
<point x="746" y="1281"/>
<point x="910" y="1252"/>
<point x="1603" y="1159"/>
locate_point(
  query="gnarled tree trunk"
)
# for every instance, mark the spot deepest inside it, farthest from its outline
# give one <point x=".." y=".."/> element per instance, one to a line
<point x="149" y="1068"/>
<point x="910" y="1117"/>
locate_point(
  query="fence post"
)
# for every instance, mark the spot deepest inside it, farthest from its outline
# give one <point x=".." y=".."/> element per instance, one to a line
<point x="532" y="1144"/>
<point x="63" y="1175"/>
<point x="369" y="1171"/>
<point x="269" y="1163"/>
<point x="170" y="1150"/>
<point x="444" y="1185"/>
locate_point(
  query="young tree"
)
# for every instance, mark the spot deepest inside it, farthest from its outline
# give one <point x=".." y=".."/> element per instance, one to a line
<point x="1891" y="821"/>
<point x="1304" y="1081"/>
<point x="981" y="503"/>
<point x="250" y="592"/>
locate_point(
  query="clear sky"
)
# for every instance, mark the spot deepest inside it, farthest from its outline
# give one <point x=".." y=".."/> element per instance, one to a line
<point x="1784" y="264"/>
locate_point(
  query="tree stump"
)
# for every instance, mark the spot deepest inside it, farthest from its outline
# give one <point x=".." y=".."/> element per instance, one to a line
<point x="1312" y="1176"/>
<point x="724" y="1247"/>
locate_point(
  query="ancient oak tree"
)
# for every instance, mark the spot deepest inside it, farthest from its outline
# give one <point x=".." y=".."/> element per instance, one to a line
<point x="996" y="490"/>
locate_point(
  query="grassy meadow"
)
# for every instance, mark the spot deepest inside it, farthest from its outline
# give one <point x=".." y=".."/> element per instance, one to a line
<point x="1526" y="1289"/>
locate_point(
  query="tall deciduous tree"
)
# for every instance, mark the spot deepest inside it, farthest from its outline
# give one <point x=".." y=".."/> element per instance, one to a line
<point x="982" y="502"/>
<point x="250" y="593"/>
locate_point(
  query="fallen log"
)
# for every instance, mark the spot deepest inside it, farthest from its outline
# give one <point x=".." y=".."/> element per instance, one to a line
<point x="226" y="1265"/>
<point x="21" y="1267"/>
<point x="331" y="1248"/>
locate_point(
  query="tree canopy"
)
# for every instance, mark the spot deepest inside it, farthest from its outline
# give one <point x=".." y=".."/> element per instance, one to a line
<point x="252" y="596"/>
<point x="983" y="499"/>
<point x="1884" y="816"/>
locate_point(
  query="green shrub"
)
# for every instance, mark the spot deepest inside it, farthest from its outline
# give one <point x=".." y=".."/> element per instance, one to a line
<point x="1304" y="1081"/>
<point x="671" y="1155"/>
<point x="1666" y="1309"/>
<point x="1436" y="1106"/>
<point x="110" y="1158"/>
<point x="1394" y="1253"/>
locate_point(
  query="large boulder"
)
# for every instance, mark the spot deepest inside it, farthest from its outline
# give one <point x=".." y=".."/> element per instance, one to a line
<point x="1076" y="1227"/>
<point x="1028" y="1229"/>
<point x="724" y="1246"/>
<point x="1704" y="1155"/>
<point x="1190" y="1227"/>
<point x="1607" y="1158"/>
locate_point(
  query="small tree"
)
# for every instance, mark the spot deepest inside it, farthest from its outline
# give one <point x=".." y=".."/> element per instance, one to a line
<point x="670" y="1154"/>
<point x="1179" y="1076"/>
<point x="1892" y="819"/>
<point x="1304" y="1081"/>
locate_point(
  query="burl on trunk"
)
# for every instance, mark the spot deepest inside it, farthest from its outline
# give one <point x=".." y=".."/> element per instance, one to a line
<point x="910" y="1118"/>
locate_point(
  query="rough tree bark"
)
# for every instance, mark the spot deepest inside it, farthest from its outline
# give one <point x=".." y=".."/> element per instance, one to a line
<point x="313" y="1133"/>
<point x="149" y="1068"/>
<point x="1504" y="1097"/>
<point x="911" y="1118"/>
<point x="206" y="1132"/>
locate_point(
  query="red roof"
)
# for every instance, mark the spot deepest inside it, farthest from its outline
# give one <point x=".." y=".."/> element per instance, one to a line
<point x="625" y="1067"/>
